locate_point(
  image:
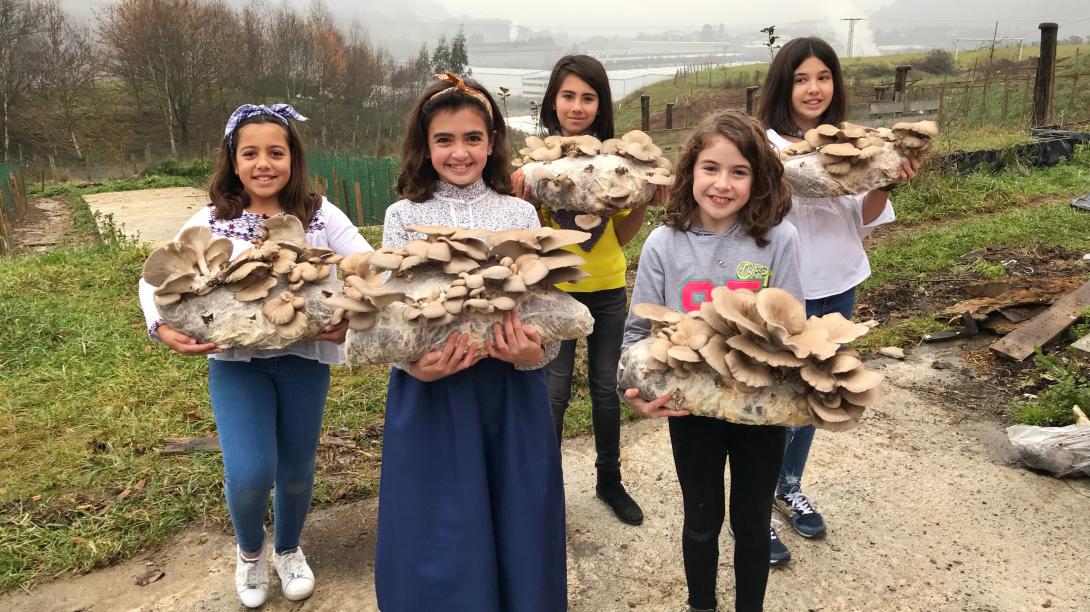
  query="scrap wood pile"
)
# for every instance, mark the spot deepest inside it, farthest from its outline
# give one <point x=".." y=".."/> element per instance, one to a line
<point x="753" y="358"/>
<point x="835" y="161"/>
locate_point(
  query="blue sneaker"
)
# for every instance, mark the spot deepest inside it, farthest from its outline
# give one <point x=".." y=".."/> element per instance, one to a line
<point x="780" y="555"/>
<point x="805" y="520"/>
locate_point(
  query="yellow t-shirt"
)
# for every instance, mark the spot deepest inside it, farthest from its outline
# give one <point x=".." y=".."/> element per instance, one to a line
<point x="605" y="262"/>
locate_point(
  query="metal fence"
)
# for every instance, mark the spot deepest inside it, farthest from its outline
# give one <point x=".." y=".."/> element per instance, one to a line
<point x="13" y="201"/>
<point x="360" y="186"/>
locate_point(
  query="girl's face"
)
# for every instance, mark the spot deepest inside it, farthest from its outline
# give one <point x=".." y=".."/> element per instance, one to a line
<point x="263" y="161"/>
<point x="459" y="145"/>
<point x="722" y="179"/>
<point x="576" y="106"/>
<point x="812" y="92"/>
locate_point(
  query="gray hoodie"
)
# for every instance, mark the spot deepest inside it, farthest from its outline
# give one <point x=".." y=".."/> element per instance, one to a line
<point x="680" y="268"/>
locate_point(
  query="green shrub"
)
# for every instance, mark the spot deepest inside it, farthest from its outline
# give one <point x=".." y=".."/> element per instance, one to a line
<point x="1052" y="406"/>
<point x="195" y="168"/>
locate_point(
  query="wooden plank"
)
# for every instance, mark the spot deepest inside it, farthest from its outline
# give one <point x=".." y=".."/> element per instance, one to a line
<point x="919" y="106"/>
<point x="1021" y="343"/>
<point x="887" y="108"/>
<point x="1082" y="344"/>
<point x="181" y="446"/>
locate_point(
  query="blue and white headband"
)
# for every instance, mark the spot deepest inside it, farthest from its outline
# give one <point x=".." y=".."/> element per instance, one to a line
<point x="281" y="112"/>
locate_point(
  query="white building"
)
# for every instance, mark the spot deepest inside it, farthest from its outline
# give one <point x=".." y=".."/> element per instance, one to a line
<point x="532" y="83"/>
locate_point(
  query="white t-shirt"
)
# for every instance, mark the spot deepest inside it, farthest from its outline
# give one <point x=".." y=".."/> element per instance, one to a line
<point x="831" y="232"/>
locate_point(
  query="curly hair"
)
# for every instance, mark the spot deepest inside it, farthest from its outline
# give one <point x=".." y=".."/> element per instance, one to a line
<point x="417" y="179"/>
<point x="770" y="195"/>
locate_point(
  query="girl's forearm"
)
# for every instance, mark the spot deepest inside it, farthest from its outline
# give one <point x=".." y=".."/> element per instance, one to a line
<point x="627" y="228"/>
<point x="873" y="205"/>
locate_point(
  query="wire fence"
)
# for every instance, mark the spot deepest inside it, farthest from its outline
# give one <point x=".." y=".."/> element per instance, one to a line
<point x="13" y="200"/>
<point x="360" y="186"/>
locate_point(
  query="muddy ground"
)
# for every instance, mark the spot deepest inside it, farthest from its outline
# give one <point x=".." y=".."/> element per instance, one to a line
<point x="928" y="509"/>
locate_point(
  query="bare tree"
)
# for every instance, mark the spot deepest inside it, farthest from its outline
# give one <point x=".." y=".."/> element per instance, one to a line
<point x="19" y="21"/>
<point x="67" y="66"/>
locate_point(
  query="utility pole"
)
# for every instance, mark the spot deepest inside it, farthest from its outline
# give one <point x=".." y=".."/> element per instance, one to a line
<point x="991" y="52"/>
<point x="851" y="31"/>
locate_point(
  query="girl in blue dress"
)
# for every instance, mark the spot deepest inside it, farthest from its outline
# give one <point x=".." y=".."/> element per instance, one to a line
<point x="471" y="502"/>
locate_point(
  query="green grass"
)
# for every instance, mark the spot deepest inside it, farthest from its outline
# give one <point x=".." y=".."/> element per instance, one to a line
<point x="1052" y="406"/>
<point x="905" y="334"/>
<point x="77" y="188"/>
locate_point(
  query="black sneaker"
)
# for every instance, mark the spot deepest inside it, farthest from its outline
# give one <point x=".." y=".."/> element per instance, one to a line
<point x="805" y="520"/>
<point x="618" y="500"/>
<point x="780" y="555"/>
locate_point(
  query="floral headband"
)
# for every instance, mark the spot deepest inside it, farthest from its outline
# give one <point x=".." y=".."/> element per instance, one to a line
<point x="281" y="112"/>
<point x="457" y="84"/>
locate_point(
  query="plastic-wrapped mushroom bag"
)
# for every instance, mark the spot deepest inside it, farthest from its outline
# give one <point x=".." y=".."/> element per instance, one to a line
<point x="268" y="297"/>
<point x="598" y="179"/>
<point x="835" y="161"/>
<point x="1060" y="451"/>
<point x="402" y="303"/>
<point x="753" y="358"/>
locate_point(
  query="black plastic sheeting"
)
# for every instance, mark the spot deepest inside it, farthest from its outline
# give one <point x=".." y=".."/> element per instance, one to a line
<point x="1054" y="146"/>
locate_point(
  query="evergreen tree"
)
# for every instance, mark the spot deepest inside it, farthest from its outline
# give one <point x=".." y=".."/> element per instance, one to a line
<point x="459" y="55"/>
<point x="440" y="57"/>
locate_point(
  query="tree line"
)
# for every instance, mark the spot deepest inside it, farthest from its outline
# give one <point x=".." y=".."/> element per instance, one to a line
<point x="163" y="75"/>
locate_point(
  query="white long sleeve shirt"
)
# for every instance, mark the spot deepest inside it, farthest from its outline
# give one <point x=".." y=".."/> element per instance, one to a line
<point x="330" y="228"/>
<point x="831" y="233"/>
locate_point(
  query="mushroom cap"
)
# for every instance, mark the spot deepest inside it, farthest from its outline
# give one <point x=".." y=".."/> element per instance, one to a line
<point x="496" y="272"/>
<point x="562" y="259"/>
<point x="588" y="221"/>
<point x="659" y="349"/>
<point x="840" y="149"/>
<point x="256" y="290"/>
<point x="763" y="353"/>
<point x="284" y="228"/>
<point x="826" y="129"/>
<point x="841" y="330"/>
<point x="295" y="327"/>
<point x="816" y="140"/>
<point x="179" y="282"/>
<point x="739" y="306"/>
<point x="709" y="315"/>
<point x="433" y="230"/>
<point x="562" y="238"/>
<point x="818" y="378"/>
<point x="247" y="271"/>
<point x="350" y="305"/>
<point x="682" y="352"/>
<point x="362" y="321"/>
<point x="357" y="263"/>
<point x="439" y="251"/>
<point x="871" y="151"/>
<point x="165" y="299"/>
<point x="470" y="247"/>
<point x="533" y="271"/>
<point x="859" y="380"/>
<point x="866" y="398"/>
<point x="459" y="264"/>
<point x="811" y="342"/>
<point x="565" y="275"/>
<point x="922" y="128"/>
<point x="278" y="310"/>
<point x="715" y="355"/>
<point x="747" y="371"/>
<point x="838" y="168"/>
<point x="433" y="310"/>
<point x="503" y="302"/>
<point x="456" y="291"/>
<point x="656" y="312"/>
<point x="692" y="332"/>
<point x="782" y="312"/>
<point x="825" y="413"/>
<point x="514" y="284"/>
<point x="417" y="248"/>
<point x="385" y="261"/>
<point x="168" y="259"/>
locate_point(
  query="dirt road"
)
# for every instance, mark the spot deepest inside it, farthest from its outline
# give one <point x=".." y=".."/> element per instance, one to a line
<point x="151" y="215"/>
<point x="928" y="510"/>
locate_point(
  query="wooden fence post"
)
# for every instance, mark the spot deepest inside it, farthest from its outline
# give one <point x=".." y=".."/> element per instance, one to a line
<point x="645" y="112"/>
<point x="1046" y="72"/>
<point x="669" y="115"/>
<point x="899" y="82"/>
<point x="751" y="93"/>
<point x="359" y="203"/>
<point x="1006" y="98"/>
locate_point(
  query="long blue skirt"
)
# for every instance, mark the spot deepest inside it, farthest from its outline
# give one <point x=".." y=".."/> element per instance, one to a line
<point x="471" y="501"/>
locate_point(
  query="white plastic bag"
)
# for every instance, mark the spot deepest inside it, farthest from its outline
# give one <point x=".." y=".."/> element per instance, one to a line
<point x="1061" y="451"/>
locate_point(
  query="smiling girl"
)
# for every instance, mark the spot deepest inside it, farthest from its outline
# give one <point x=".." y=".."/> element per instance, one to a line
<point x="723" y="228"/>
<point x="805" y="88"/>
<point x="268" y="404"/>
<point x="471" y="503"/>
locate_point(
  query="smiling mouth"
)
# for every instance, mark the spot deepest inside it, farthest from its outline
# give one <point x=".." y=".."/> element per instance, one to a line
<point x="459" y="167"/>
<point x="720" y="200"/>
<point x="264" y="179"/>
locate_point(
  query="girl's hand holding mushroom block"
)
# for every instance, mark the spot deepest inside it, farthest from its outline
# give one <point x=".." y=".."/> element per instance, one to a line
<point x="332" y="333"/>
<point x="183" y="344"/>
<point x="515" y="343"/>
<point x="654" y="409"/>
<point x="456" y="355"/>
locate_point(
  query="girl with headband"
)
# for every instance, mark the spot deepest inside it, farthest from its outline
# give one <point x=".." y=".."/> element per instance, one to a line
<point x="268" y="404"/>
<point x="471" y="501"/>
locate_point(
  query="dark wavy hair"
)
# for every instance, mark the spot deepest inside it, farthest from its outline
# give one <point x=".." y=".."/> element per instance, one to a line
<point x="774" y="106"/>
<point x="417" y="179"/>
<point x="230" y="198"/>
<point x="593" y="73"/>
<point x="770" y="195"/>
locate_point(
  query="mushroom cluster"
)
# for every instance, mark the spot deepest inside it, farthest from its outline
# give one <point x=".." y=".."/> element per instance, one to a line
<point x="598" y="179"/>
<point x="406" y="301"/>
<point x="852" y="158"/>
<point x="753" y="358"/>
<point x="202" y="294"/>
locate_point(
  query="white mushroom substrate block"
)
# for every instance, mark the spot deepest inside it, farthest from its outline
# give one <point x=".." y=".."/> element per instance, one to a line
<point x="703" y="393"/>
<point x="403" y="303"/>
<point x="835" y="161"/>
<point x="597" y="179"/>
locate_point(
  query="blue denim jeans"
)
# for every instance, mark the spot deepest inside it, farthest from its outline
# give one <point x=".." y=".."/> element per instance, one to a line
<point x="269" y="417"/>
<point x="797" y="447"/>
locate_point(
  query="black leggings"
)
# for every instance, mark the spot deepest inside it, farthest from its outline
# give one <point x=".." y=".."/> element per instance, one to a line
<point x="701" y="446"/>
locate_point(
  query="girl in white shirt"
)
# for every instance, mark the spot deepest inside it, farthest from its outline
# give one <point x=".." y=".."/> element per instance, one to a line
<point x="805" y="88"/>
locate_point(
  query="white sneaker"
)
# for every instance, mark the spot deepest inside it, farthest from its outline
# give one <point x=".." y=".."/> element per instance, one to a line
<point x="252" y="578"/>
<point x="296" y="579"/>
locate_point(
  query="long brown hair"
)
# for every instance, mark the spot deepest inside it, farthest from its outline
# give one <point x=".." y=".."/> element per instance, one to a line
<point x="230" y="198"/>
<point x="770" y="195"/>
<point x="592" y="73"/>
<point x="417" y="179"/>
<point x="774" y="106"/>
